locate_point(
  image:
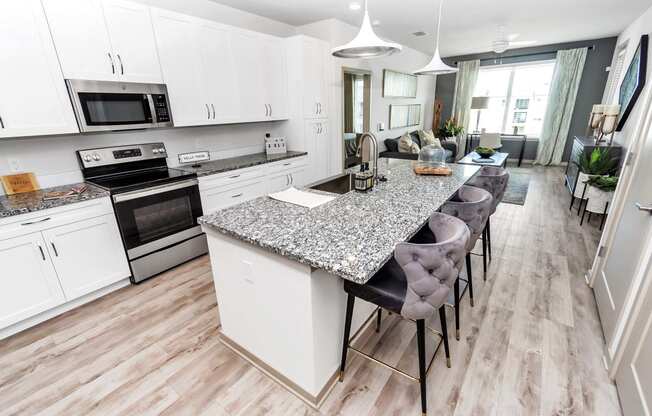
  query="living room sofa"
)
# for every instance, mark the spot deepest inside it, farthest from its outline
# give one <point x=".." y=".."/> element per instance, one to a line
<point x="392" y="152"/>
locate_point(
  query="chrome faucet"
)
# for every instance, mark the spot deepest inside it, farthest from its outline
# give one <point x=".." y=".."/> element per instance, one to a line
<point x="366" y="158"/>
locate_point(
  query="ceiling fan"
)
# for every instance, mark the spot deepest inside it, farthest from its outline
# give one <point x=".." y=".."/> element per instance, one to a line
<point x="504" y="41"/>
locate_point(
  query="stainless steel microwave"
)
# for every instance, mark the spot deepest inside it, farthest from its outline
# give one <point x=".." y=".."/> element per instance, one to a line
<point x="112" y="105"/>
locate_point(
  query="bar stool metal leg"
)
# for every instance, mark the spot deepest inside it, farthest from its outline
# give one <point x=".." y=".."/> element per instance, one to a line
<point x="489" y="236"/>
<point x="421" y="347"/>
<point x="484" y="254"/>
<point x="456" y="292"/>
<point x="378" y="318"/>
<point x="350" y="301"/>
<point x="469" y="276"/>
<point x="444" y="332"/>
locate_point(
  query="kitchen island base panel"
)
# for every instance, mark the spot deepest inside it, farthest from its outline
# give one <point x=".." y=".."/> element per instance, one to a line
<point x="285" y="314"/>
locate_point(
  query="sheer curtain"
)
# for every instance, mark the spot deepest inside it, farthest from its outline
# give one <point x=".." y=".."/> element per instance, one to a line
<point x="467" y="76"/>
<point x="561" y="102"/>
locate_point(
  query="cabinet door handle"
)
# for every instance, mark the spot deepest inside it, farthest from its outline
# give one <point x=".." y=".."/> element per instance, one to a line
<point x="208" y="112"/>
<point x="291" y="179"/>
<point x="56" y="253"/>
<point x="319" y="106"/>
<point x="236" y="195"/>
<point x="36" y="222"/>
<point x="41" y="250"/>
<point x="2" y="123"/>
<point x="316" y="108"/>
<point x="112" y="64"/>
<point x="213" y="107"/>
<point x="266" y="111"/>
<point x="287" y="179"/>
<point x="234" y="176"/>
<point x="122" y="68"/>
<point x="287" y="164"/>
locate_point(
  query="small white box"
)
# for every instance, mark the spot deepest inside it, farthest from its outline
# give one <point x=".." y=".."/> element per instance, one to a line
<point x="275" y="145"/>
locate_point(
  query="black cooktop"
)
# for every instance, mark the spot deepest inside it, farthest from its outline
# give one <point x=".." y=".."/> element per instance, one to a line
<point x="129" y="181"/>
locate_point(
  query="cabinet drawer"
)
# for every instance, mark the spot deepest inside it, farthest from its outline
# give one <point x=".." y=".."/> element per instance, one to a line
<point x="288" y="164"/>
<point x="218" y="198"/>
<point x="230" y="178"/>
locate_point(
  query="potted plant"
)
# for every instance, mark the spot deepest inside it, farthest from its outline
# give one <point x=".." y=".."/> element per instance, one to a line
<point x="450" y="130"/>
<point x="597" y="163"/>
<point x="600" y="192"/>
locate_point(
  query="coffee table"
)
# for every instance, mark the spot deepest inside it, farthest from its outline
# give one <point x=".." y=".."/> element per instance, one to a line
<point x="499" y="159"/>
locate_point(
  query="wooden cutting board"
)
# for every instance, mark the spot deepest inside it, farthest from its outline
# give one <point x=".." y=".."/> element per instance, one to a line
<point x="19" y="183"/>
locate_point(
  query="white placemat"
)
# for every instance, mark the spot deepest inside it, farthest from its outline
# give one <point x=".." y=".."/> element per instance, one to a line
<point x="302" y="198"/>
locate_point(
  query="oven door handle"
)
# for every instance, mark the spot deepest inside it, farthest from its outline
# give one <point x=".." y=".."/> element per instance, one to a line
<point x="127" y="196"/>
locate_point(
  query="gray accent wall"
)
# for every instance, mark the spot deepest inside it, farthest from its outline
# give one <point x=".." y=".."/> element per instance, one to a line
<point x="591" y="87"/>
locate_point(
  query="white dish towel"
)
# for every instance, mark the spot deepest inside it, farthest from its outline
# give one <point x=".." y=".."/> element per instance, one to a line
<point x="301" y="198"/>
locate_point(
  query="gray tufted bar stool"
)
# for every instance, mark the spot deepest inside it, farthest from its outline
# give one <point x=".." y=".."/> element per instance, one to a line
<point x="493" y="180"/>
<point x="415" y="284"/>
<point x="473" y="206"/>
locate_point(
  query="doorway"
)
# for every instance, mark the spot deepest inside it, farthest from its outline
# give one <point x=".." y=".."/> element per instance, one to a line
<point x="357" y="111"/>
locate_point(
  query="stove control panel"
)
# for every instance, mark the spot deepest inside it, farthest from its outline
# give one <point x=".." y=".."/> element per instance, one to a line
<point x="121" y="154"/>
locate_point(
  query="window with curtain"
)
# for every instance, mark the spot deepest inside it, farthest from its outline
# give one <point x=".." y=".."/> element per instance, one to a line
<point x="518" y="98"/>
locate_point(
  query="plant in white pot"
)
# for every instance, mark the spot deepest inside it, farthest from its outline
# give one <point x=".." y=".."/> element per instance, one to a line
<point x="599" y="194"/>
<point x="597" y="163"/>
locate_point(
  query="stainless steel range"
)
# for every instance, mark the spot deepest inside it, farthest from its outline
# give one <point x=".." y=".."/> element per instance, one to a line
<point x="156" y="207"/>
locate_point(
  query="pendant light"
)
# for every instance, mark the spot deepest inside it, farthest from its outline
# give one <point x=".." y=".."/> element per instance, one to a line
<point x="436" y="65"/>
<point x="366" y="44"/>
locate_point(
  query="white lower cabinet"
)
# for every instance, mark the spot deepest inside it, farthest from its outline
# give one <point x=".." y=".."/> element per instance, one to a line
<point x="87" y="255"/>
<point x="29" y="284"/>
<point x="226" y="189"/>
<point x="53" y="257"/>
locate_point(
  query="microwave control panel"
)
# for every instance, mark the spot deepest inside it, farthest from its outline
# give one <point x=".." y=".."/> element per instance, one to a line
<point x="161" y="108"/>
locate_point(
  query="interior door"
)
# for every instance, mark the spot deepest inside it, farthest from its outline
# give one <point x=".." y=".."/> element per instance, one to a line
<point x="81" y="39"/>
<point x="181" y="65"/>
<point x="248" y="54"/>
<point x="275" y="78"/>
<point x="33" y="96"/>
<point x="132" y="37"/>
<point x="634" y="374"/>
<point x="29" y="283"/>
<point x="87" y="255"/>
<point x="614" y="281"/>
<point x="219" y="72"/>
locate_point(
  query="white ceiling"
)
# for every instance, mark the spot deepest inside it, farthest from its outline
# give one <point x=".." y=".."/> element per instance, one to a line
<point x="468" y="26"/>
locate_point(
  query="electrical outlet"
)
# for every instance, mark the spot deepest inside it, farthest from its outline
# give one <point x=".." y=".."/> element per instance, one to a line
<point x="14" y="165"/>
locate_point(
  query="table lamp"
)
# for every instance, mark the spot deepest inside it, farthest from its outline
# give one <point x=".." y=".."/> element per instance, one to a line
<point x="479" y="103"/>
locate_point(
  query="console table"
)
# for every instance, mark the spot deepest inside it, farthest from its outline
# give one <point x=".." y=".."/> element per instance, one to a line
<point x="581" y="146"/>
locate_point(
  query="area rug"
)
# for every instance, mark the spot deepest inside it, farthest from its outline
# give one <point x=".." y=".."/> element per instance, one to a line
<point x="517" y="187"/>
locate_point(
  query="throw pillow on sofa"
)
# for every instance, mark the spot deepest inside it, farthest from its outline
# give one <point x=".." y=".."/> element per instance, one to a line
<point x="428" y="138"/>
<point x="406" y="145"/>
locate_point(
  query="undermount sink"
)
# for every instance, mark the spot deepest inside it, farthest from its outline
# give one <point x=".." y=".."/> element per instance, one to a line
<point x="340" y="184"/>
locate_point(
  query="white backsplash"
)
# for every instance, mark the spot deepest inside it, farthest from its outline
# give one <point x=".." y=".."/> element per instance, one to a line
<point x="53" y="158"/>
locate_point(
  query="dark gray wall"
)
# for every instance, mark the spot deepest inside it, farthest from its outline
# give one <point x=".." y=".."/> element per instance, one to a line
<point x="590" y="91"/>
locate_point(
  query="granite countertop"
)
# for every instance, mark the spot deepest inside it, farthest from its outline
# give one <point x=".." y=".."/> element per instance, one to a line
<point x="351" y="236"/>
<point x="239" y="162"/>
<point x="33" y="201"/>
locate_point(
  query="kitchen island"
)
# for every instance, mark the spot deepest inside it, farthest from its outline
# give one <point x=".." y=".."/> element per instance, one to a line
<point x="277" y="269"/>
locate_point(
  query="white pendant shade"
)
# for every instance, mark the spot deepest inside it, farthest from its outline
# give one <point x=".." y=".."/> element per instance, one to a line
<point x="366" y="44"/>
<point x="436" y="65"/>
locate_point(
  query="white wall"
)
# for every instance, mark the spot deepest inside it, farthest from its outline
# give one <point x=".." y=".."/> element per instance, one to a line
<point x="632" y="35"/>
<point x="336" y="33"/>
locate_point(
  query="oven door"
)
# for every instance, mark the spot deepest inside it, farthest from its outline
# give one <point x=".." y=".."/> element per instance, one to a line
<point x="154" y="218"/>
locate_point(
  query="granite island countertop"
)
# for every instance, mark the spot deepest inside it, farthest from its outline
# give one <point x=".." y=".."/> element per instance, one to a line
<point x="27" y="202"/>
<point x="351" y="236"/>
<point x="240" y="162"/>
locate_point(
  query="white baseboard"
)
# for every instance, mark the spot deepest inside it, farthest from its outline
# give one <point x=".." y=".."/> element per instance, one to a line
<point x="49" y="314"/>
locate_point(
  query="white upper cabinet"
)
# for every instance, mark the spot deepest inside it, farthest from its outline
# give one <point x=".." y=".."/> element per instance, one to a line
<point x="248" y="56"/>
<point x="33" y="96"/>
<point x="130" y="30"/>
<point x="181" y="64"/>
<point x="219" y="72"/>
<point x="29" y="284"/>
<point x="104" y="40"/>
<point x="275" y="79"/>
<point x="316" y="65"/>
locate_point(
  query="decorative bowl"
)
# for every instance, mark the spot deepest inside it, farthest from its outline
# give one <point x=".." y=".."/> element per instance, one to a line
<point x="485" y="152"/>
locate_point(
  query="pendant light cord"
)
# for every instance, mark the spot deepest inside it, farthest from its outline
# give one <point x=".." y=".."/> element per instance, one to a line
<point x="441" y="3"/>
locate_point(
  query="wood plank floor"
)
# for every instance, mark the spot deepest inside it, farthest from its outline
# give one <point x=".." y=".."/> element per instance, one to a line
<point x="532" y="345"/>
